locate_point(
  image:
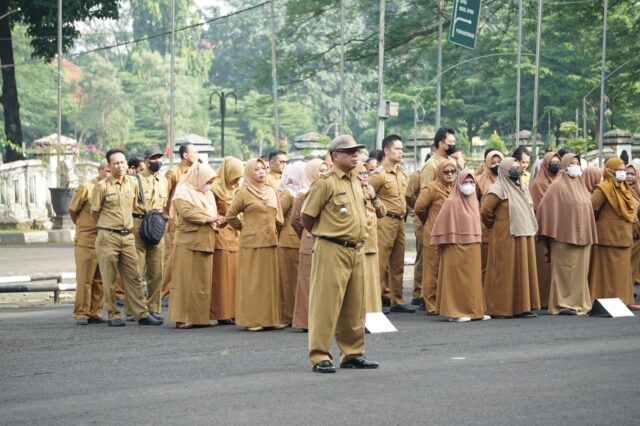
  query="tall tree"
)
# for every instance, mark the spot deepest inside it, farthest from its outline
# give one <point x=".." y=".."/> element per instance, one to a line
<point x="40" y="17"/>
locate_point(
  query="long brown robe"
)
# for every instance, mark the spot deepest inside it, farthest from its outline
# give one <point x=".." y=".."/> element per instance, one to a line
<point x="225" y="269"/>
<point x="460" y="291"/>
<point x="288" y="247"/>
<point x="301" y="306"/>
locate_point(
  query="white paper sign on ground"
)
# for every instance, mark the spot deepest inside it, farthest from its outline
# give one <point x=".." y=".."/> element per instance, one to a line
<point x="377" y="322"/>
<point x="613" y="308"/>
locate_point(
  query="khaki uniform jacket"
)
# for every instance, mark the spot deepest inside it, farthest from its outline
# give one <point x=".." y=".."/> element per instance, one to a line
<point x="337" y="202"/>
<point x="288" y="237"/>
<point x="228" y="238"/>
<point x="192" y="230"/>
<point x="173" y="177"/>
<point x="613" y="231"/>
<point x="115" y="202"/>
<point x="86" y="229"/>
<point x="428" y="171"/>
<point x="390" y="186"/>
<point x="155" y="188"/>
<point x="258" y="227"/>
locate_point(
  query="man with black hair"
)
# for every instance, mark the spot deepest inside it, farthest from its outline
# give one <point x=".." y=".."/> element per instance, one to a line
<point x="277" y="162"/>
<point x="188" y="156"/>
<point x="444" y="143"/>
<point x="523" y="155"/>
<point x="389" y="181"/>
<point x="112" y="204"/>
<point x="136" y="165"/>
<point x="566" y="150"/>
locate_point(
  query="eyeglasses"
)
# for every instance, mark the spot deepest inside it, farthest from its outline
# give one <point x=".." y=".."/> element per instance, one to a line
<point x="449" y="172"/>
<point x="363" y="173"/>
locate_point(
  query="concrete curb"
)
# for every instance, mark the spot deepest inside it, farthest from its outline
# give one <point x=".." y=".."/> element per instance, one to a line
<point x="38" y="237"/>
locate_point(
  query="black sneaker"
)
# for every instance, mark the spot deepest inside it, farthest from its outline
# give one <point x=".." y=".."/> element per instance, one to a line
<point x="97" y="320"/>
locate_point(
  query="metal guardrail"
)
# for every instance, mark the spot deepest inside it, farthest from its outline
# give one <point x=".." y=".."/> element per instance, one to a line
<point x="25" y="284"/>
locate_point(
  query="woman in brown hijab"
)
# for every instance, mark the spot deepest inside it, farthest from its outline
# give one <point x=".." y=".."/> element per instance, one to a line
<point x="511" y="284"/>
<point x="457" y="236"/>
<point x="313" y="169"/>
<point x="633" y="174"/>
<point x="568" y="229"/>
<point x="616" y="212"/>
<point x="591" y="176"/>
<point x="485" y="180"/>
<point x="288" y="241"/>
<point x="194" y="212"/>
<point x="548" y="172"/>
<point x="257" y="286"/>
<point x="427" y="207"/>
<point x="225" y="262"/>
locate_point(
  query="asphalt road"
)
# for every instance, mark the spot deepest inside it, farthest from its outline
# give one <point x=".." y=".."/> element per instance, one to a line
<point x="549" y="370"/>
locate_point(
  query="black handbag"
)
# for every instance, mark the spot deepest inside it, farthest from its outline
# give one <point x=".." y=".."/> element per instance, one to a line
<point x="153" y="224"/>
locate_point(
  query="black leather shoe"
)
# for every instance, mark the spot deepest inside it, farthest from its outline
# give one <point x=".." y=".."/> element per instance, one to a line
<point x="129" y="318"/>
<point x="149" y="320"/>
<point x="405" y="309"/>
<point x="359" y="362"/>
<point x="324" y="367"/>
<point x="226" y="322"/>
<point x="157" y="316"/>
<point x="567" y="312"/>
<point x="116" y="323"/>
<point x="97" y="320"/>
<point x="82" y="321"/>
<point x="386" y="301"/>
<point x="120" y="301"/>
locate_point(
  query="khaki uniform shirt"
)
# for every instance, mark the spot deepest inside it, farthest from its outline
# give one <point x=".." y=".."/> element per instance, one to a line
<point x="337" y="201"/>
<point x="86" y="230"/>
<point x="155" y="191"/>
<point x="274" y="179"/>
<point x="428" y="171"/>
<point x="115" y="201"/>
<point x="390" y="186"/>
<point x="173" y="177"/>
<point x="258" y="224"/>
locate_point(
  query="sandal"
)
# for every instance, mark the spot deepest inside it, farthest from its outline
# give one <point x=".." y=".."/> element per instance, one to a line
<point x="184" y="326"/>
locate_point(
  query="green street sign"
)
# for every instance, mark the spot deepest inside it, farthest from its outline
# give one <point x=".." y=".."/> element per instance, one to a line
<point x="464" y="23"/>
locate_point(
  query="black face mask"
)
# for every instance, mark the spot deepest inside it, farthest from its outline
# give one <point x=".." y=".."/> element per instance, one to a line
<point x="514" y="174"/>
<point x="494" y="169"/>
<point x="154" y="166"/>
<point x="554" y="168"/>
<point x="451" y="149"/>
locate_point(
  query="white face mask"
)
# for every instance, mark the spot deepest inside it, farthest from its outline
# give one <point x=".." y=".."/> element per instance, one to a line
<point x="467" y="189"/>
<point x="621" y="175"/>
<point x="205" y="188"/>
<point x="574" y="171"/>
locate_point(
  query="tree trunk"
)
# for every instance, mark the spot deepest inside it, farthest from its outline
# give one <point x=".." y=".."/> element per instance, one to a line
<point x="9" y="98"/>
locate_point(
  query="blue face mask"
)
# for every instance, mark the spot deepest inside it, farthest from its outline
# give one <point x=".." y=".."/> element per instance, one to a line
<point x="514" y="174"/>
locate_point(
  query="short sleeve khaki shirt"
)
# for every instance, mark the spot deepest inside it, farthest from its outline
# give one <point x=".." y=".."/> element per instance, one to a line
<point x="115" y="201"/>
<point x="86" y="230"/>
<point x="337" y="201"/>
<point x="155" y="188"/>
<point x="390" y="186"/>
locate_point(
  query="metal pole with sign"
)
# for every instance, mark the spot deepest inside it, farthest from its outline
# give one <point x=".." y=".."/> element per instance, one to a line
<point x="464" y="23"/>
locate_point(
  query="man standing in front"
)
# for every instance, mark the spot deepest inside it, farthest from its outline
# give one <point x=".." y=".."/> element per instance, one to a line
<point x="112" y="208"/>
<point x="444" y="144"/>
<point x="188" y="155"/>
<point x="277" y="162"/>
<point x="87" y="308"/>
<point x="150" y="256"/>
<point x="334" y="212"/>
<point x="390" y="183"/>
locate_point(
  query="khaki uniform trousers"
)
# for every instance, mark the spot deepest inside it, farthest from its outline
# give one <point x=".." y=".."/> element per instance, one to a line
<point x="391" y="241"/>
<point x="117" y="253"/>
<point x="168" y="256"/>
<point x="89" y="292"/>
<point x="152" y="257"/>
<point x="336" y="301"/>
<point x="418" y="227"/>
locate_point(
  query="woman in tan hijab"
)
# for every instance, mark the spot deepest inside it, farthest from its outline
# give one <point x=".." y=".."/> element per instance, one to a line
<point x="511" y="284"/>
<point x="194" y="212"/>
<point x="288" y="241"/>
<point x="484" y="181"/>
<point x="548" y="172"/>
<point x="257" y="286"/>
<point x="568" y="229"/>
<point x="457" y="236"/>
<point x="616" y="212"/>
<point x="375" y="210"/>
<point x="313" y="169"/>
<point x="591" y="176"/>
<point x="633" y="176"/>
<point x="427" y="207"/>
<point x="225" y="262"/>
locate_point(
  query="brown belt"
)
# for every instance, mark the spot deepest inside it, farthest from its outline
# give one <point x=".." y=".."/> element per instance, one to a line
<point x="344" y="243"/>
<point x="115" y="231"/>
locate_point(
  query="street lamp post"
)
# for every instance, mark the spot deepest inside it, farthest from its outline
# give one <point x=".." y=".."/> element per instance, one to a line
<point x="222" y="97"/>
<point x="602" y="81"/>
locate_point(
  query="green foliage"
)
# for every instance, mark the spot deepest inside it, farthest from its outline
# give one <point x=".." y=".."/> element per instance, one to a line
<point x="496" y="142"/>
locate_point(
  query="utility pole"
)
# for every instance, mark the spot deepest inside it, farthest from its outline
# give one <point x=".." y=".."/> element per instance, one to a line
<point x="439" y="64"/>
<point x="602" y="81"/>
<point x="172" y="84"/>
<point x="380" y="120"/>
<point x="519" y="50"/>
<point x="59" y="123"/>
<point x="342" y="112"/>
<point x="274" y="73"/>
<point x="534" y="125"/>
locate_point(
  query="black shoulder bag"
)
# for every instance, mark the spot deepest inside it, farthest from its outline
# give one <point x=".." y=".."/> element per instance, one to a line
<point x="153" y="223"/>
